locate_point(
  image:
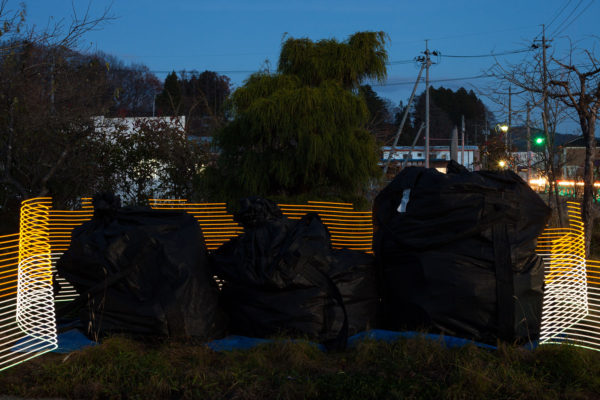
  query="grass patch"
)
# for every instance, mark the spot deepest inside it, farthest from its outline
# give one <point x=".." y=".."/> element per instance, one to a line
<point x="407" y="368"/>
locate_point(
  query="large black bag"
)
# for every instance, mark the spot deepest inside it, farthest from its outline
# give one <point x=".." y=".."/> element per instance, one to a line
<point x="282" y="276"/>
<point x="456" y="253"/>
<point x="355" y="276"/>
<point x="141" y="271"/>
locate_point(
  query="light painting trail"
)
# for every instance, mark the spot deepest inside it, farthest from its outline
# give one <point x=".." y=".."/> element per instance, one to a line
<point x="571" y="306"/>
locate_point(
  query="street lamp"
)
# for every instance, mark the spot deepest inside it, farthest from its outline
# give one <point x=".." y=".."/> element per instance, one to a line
<point x="502" y="163"/>
<point x="502" y="128"/>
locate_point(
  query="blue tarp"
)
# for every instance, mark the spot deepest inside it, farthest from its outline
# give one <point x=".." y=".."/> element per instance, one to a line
<point x="72" y="340"/>
<point x="234" y="342"/>
<point x="390" y="336"/>
<point x="242" y="342"/>
<point x="67" y="342"/>
<point x="75" y="340"/>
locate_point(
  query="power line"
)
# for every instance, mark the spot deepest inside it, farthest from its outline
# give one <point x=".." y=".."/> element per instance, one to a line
<point x="574" y="19"/>
<point x="125" y="55"/>
<point x="464" y="79"/>
<point x="566" y="19"/>
<point x="188" y="71"/>
<point x="513" y="93"/>
<point x="558" y="14"/>
<point x="234" y="71"/>
<point x="487" y="55"/>
<point x="436" y="80"/>
<point x="400" y="62"/>
<point x="477" y="33"/>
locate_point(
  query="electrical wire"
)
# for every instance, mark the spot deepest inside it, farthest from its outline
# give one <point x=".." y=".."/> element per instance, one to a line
<point x="564" y="21"/>
<point x="188" y="71"/>
<point x="462" y="79"/>
<point x="400" y="62"/>
<point x="487" y="55"/>
<point x="475" y="34"/>
<point x="435" y="80"/>
<point x="574" y="19"/>
<point x="558" y="14"/>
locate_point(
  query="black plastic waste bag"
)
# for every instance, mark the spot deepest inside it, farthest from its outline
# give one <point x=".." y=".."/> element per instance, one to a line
<point x="456" y="253"/>
<point x="141" y="271"/>
<point x="355" y="276"/>
<point x="282" y="276"/>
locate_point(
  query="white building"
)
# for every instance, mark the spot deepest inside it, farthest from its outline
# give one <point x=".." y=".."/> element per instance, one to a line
<point x="438" y="156"/>
<point x="129" y="124"/>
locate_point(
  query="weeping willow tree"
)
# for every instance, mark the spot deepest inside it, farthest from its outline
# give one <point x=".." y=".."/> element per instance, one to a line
<point x="362" y="56"/>
<point x="302" y="131"/>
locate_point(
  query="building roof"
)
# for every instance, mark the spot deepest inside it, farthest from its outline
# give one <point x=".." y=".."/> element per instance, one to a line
<point x="519" y="137"/>
<point x="431" y="148"/>
<point x="577" y="142"/>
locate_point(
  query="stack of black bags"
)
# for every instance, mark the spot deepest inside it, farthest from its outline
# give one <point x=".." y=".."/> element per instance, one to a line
<point x="140" y="271"/>
<point x="146" y="272"/>
<point x="454" y="254"/>
<point x="282" y="276"/>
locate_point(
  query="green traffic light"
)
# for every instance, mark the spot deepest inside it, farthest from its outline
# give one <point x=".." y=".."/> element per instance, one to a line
<point x="539" y="140"/>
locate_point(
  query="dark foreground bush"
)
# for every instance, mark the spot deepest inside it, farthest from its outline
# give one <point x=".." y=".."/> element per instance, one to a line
<point x="409" y="368"/>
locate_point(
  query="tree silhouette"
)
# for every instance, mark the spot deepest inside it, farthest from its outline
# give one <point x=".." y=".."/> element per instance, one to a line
<point x="302" y="130"/>
<point x="447" y="107"/>
<point x="169" y="100"/>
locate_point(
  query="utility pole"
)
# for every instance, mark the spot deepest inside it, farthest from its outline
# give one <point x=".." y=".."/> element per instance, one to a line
<point x="486" y="131"/>
<point x="462" y="157"/>
<point x="52" y="85"/>
<point x="548" y="139"/>
<point x="427" y="65"/>
<point x="507" y="138"/>
<point x="486" y="135"/>
<point x="387" y="164"/>
<point x="545" y="88"/>
<point x="528" y="146"/>
<point x="154" y="104"/>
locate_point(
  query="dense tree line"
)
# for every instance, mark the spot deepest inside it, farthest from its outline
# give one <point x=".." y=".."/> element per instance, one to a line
<point x="133" y="88"/>
<point x="200" y="97"/>
<point x="446" y="110"/>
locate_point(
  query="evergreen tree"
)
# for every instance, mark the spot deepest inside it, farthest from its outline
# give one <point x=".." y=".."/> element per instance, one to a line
<point x="381" y="124"/>
<point x="169" y="100"/>
<point x="378" y="108"/>
<point x="302" y="131"/>
<point x="446" y="110"/>
<point x="203" y="96"/>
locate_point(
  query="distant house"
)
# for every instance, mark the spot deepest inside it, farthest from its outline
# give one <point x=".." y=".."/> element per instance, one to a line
<point x="110" y="128"/>
<point x="111" y="125"/>
<point x="532" y="161"/>
<point x="569" y="156"/>
<point x="572" y="158"/>
<point x="405" y="156"/>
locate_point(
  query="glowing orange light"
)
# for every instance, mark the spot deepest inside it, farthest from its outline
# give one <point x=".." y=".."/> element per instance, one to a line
<point x="26" y="297"/>
<point x="566" y="293"/>
<point x="572" y="295"/>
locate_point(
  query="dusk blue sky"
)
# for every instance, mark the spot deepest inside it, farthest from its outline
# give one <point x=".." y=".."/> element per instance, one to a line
<point x="236" y="37"/>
